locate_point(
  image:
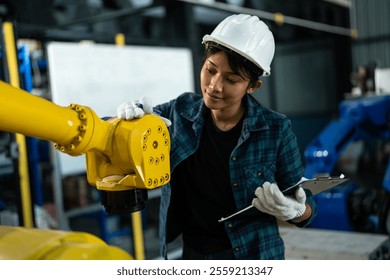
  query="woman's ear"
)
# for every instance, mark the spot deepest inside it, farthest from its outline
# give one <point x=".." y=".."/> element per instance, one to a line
<point x="255" y="85"/>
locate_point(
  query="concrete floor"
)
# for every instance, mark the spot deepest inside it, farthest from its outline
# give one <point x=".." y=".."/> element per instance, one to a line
<point x="318" y="244"/>
<point x="305" y="244"/>
<point x="301" y="244"/>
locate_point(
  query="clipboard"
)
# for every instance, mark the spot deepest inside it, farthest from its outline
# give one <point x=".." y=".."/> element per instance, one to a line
<point x="315" y="185"/>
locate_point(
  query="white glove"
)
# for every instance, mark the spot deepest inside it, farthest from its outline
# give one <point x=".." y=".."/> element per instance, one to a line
<point x="269" y="199"/>
<point x="137" y="109"/>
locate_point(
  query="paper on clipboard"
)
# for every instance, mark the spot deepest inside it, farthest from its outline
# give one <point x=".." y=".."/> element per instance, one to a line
<point x="315" y="185"/>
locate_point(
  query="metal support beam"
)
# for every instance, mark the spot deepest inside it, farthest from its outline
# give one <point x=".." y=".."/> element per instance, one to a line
<point x="278" y="18"/>
<point x="108" y="16"/>
<point x="342" y="3"/>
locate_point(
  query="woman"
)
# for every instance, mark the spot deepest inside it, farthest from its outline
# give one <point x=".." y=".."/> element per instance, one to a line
<point x="227" y="152"/>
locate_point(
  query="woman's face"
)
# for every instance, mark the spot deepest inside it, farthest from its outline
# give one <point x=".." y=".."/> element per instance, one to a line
<point x="221" y="88"/>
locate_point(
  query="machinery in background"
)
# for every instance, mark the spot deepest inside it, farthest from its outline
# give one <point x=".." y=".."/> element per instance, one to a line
<point x="370" y="79"/>
<point x="363" y="128"/>
<point x="363" y="79"/>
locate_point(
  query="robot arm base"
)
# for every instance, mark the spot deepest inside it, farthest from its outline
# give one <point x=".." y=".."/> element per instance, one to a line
<point x="118" y="202"/>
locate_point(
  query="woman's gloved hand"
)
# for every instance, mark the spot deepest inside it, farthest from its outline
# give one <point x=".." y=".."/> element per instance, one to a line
<point x="137" y="109"/>
<point x="269" y="199"/>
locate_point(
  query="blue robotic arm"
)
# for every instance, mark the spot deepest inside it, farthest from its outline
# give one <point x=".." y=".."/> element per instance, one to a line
<point x="366" y="118"/>
<point x="359" y="119"/>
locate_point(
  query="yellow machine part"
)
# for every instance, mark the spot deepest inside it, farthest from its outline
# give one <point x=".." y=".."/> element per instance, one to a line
<point x="18" y="243"/>
<point x="120" y="155"/>
<point x="144" y="145"/>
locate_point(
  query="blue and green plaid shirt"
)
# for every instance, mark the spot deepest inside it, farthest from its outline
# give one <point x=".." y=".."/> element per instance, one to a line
<point x="266" y="151"/>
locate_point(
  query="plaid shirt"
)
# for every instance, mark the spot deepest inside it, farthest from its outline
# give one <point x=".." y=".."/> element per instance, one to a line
<point x="266" y="151"/>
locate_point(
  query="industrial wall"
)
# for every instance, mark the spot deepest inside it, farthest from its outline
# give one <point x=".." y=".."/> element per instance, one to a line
<point x="373" y="24"/>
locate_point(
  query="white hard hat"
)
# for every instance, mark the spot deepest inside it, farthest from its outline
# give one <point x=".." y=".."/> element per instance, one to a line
<point x="247" y="36"/>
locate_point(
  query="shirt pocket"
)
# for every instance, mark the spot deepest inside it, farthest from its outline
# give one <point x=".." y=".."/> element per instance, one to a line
<point x="256" y="173"/>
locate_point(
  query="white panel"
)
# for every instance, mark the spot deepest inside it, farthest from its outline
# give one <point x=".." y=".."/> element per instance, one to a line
<point x="382" y="80"/>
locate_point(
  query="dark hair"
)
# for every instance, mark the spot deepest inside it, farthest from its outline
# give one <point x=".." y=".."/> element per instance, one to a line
<point x="237" y="63"/>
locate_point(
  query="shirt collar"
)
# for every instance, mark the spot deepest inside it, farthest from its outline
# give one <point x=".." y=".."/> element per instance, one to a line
<point x="254" y="118"/>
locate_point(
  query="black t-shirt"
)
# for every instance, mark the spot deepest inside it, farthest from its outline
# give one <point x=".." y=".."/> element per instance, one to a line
<point x="201" y="191"/>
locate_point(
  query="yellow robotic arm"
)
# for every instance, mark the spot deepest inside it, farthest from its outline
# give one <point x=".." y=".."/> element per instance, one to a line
<point x="124" y="158"/>
<point x="19" y="243"/>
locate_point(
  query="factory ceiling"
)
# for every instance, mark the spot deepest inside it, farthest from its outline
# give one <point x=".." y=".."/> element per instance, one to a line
<point x="148" y="20"/>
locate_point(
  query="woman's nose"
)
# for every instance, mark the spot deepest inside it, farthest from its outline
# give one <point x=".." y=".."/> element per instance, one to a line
<point x="216" y="84"/>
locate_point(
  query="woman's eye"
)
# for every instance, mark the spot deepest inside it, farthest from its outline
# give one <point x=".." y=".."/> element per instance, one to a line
<point x="232" y="80"/>
<point x="210" y="71"/>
